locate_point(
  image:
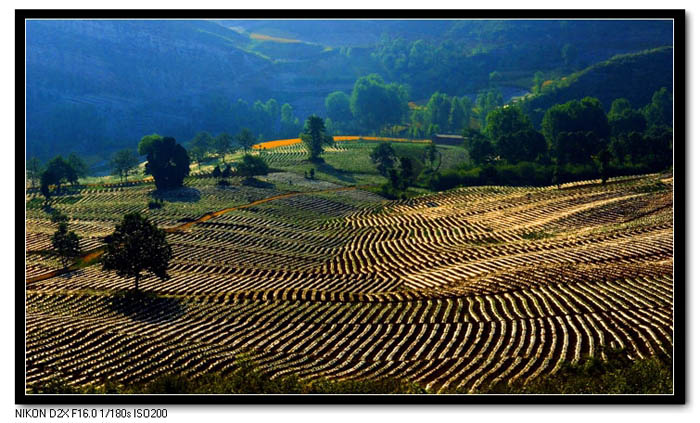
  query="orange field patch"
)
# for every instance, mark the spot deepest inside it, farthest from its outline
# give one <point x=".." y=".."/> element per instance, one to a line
<point x="291" y="141"/>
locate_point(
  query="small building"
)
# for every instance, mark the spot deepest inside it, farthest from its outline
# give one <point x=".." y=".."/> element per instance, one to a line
<point x="447" y="139"/>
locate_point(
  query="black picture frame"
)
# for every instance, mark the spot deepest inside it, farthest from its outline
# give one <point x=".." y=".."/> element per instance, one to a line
<point x="679" y="263"/>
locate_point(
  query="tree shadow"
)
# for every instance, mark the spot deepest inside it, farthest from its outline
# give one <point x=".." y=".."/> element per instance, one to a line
<point x="257" y="183"/>
<point x="336" y="173"/>
<point x="145" y="306"/>
<point x="178" y="195"/>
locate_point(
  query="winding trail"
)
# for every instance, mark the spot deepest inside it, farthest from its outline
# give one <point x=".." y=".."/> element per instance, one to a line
<point x="91" y="257"/>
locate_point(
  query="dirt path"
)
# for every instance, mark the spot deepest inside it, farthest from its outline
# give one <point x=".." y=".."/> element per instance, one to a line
<point x="91" y="257"/>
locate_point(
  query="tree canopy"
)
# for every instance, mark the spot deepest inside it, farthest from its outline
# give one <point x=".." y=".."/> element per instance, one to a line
<point x="251" y="166"/>
<point x="168" y="162"/>
<point x="147" y="142"/>
<point x="66" y="243"/>
<point x="223" y="144"/>
<point x="384" y="156"/>
<point x="245" y="139"/>
<point x="58" y="172"/>
<point x="135" y="247"/>
<point x="338" y="107"/>
<point x="375" y="104"/>
<point x="506" y="121"/>
<point x="584" y="116"/>
<point x="34" y="169"/>
<point x="660" y="111"/>
<point x="314" y="137"/>
<point x="124" y="162"/>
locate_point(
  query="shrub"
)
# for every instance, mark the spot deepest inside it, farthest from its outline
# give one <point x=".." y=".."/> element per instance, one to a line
<point x="156" y="203"/>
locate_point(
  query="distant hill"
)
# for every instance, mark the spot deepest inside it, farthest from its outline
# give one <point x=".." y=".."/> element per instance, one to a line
<point x="97" y="86"/>
<point x="633" y="76"/>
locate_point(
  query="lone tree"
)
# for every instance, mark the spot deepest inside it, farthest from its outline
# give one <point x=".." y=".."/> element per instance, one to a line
<point x="384" y="157"/>
<point x="602" y="160"/>
<point x="245" y="139"/>
<point x="137" y="246"/>
<point x="34" y="171"/>
<point x="168" y="161"/>
<point x="80" y="168"/>
<point x="314" y="137"/>
<point x="252" y="166"/>
<point x="223" y="144"/>
<point x="58" y="171"/>
<point x="199" y="147"/>
<point x="66" y="243"/>
<point x="124" y="162"/>
<point x="431" y="155"/>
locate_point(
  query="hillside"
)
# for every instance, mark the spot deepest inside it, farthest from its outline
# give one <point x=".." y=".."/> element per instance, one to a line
<point x="632" y="76"/>
<point x="450" y="290"/>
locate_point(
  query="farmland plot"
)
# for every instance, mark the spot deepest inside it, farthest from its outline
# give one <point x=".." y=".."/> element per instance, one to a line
<point x="457" y="289"/>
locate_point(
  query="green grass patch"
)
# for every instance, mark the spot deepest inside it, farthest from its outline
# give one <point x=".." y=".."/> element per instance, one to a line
<point x="35" y="203"/>
<point x="536" y="235"/>
<point x="592" y="375"/>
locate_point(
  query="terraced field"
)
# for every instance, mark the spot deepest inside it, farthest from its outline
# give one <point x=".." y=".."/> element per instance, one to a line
<point x="450" y="290"/>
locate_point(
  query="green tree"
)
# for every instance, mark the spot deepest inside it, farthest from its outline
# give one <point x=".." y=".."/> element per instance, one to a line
<point x="216" y="172"/>
<point x="197" y="155"/>
<point x="289" y="124"/>
<point x="506" y="121"/>
<point x="200" y="146"/>
<point x="537" y="81"/>
<point x="408" y="172"/>
<point x="168" y="162"/>
<point x="658" y="146"/>
<point x="58" y="172"/>
<point x="146" y="143"/>
<point x="66" y="243"/>
<point x="480" y="148"/>
<point x="338" y="107"/>
<point x="438" y="111"/>
<point x="314" y="137"/>
<point x="375" y="104"/>
<point x="45" y="187"/>
<point x="486" y="101"/>
<point x="523" y="145"/>
<point x="460" y="114"/>
<point x="623" y="119"/>
<point x="577" y="116"/>
<point x="135" y="247"/>
<point x="80" y="168"/>
<point x="34" y="171"/>
<point x="431" y="155"/>
<point x="58" y="217"/>
<point x="577" y="147"/>
<point x="245" y="139"/>
<point x="660" y="111"/>
<point x="384" y="157"/>
<point x="602" y="160"/>
<point x="251" y="166"/>
<point x="223" y="143"/>
<point x="124" y="162"/>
